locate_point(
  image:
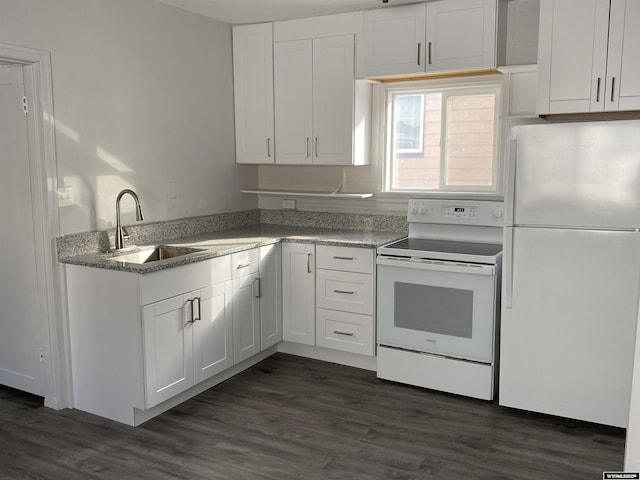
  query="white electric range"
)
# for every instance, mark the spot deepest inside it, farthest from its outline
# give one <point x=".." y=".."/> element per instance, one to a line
<point x="438" y="298"/>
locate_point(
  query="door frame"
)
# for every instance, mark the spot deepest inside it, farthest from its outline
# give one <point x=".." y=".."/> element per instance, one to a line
<point x="36" y="65"/>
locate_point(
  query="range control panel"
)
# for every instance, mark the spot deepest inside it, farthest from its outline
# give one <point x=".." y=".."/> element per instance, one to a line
<point x="457" y="212"/>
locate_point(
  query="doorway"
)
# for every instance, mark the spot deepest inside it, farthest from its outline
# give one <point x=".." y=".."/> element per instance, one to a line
<point x="32" y="342"/>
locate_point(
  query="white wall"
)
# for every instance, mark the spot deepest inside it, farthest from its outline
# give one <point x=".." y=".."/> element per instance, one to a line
<point x="143" y="96"/>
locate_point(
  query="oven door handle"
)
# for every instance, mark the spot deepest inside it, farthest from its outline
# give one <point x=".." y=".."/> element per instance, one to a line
<point x="421" y="264"/>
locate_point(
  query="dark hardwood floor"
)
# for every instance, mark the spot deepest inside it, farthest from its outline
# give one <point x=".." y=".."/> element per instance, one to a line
<point x="295" y="418"/>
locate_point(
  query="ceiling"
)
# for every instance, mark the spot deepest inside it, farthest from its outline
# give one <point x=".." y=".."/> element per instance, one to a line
<point x="255" y="11"/>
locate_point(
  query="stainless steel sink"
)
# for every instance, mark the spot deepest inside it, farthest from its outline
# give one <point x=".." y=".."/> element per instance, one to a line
<point x="155" y="254"/>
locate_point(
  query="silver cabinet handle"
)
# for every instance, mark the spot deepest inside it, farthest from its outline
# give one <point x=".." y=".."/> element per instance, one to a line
<point x="269" y="147"/>
<point x="598" y="90"/>
<point x="307" y="147"/>
<point x="316" y="147"/>
<point x="337" y="257"/>
<point x="613" y="85"/>
<point x="346" y="334"/>
<point x="190" y="301"/>
<point x="256" y="287"/>
<point x="430" y="45"/>
<point x="199" y="317"/>
<point x="193" y="317"/>
<point x="308" y="263"/>
<point x="245" y="265"/>
<point x="344" y="292"/>
<point x="419" y="48"/>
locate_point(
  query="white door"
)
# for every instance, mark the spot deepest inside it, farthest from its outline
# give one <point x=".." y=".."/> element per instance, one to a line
<point x="253" y="93"/>
<point x="333" y="100"/>
<point x="212" y="333"/>
<point x="298" y="293"/>
<point x="568" y="322"/>
<point x="394" y="40"/>
<point x="246" y="317"/>
<point x="572" y="56"/>
<point x="168" y="348"/>
<point x="23" y="315"/>
<point x="447" y="49"/>
<point x="293" y="72"/>
<point x="270" y="295"/>
<point x="623" y="67"/>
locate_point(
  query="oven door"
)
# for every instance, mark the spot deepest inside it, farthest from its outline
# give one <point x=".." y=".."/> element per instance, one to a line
<point x="446" y="308"/>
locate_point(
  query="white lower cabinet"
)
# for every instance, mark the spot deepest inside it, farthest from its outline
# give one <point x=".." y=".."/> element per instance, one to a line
<point x="345" y="287"/>
<point x="187" y="339"/>
<point x="270" y="292"/>
<point x="298" y="293"/>
<point x="246" y="304"/>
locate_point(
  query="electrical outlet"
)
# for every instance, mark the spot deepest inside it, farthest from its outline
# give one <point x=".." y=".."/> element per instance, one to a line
<point x="289" y="204"/>
<point x="65" y="197"/>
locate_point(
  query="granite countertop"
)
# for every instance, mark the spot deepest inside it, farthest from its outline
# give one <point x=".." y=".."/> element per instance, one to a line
<point x="231" y="241"/>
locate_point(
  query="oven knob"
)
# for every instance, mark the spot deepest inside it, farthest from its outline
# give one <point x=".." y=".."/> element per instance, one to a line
<point x="497" y="211"/>
<point x="414" y="210"/>
<point x="423" y="211"/>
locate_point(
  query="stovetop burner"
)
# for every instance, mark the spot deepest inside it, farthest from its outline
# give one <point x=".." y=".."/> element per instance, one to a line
<point x="444" y="250"/>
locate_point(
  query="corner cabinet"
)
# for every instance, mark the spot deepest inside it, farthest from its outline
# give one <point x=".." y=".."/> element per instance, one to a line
<point x="425" y="38"/>
<point x="319" y="111"/>
<point x="588" y="56"/>
<point x="253" y="93"/>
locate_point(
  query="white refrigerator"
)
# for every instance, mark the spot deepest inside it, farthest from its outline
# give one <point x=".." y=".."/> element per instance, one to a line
<point x="571" y="270"/>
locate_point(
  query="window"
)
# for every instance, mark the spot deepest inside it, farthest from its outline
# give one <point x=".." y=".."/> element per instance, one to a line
<point x="441" y="139"/>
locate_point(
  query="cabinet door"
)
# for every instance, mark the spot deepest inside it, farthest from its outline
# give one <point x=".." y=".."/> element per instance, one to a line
<point x="572" y="55"/>
<point x="447" y="49"/>
<point x="298" y="293"/>
<point x="253" y="93"/>
<point x="246" y="317"/>
<point x="168" y="353"/>
<point x="394" y="40"/>
<point x="270" y="295"/>
<point x="293" y="100"/>
<point x="333" y="100"/>
<point x="212" y="333"/>
<point x="623" y="67"/>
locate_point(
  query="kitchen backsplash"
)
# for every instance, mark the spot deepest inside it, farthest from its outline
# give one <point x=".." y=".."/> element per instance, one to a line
<point x="145" y="234"/>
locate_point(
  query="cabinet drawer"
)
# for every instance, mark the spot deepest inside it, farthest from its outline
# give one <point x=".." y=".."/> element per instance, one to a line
<point x="185" y="278"/>
<point x="349" y="292"/>
<point x="347" y="259"/>
<point x="245" y="263"/>
<point x="348" y="332"/>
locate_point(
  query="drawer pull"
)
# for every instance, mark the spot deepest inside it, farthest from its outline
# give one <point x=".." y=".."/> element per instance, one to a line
<point x="245" y="265"/>
<point x="336" y="257"/>
<point x="346" y="334"/>
<point x="344" y="292"/>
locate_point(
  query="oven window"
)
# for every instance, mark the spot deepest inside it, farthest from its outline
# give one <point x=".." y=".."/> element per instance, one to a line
<point x="425" y="308"/>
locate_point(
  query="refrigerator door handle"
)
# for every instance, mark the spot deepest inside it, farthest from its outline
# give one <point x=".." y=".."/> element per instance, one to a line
<point x="507" y="267"/>
<point x="511" y="184"/>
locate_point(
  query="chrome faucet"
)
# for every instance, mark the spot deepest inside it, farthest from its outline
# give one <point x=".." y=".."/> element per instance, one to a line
<point x="120" y="231"/>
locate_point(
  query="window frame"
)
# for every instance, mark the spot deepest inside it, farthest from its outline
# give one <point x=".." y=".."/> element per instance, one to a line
<point x="382" y="143"/>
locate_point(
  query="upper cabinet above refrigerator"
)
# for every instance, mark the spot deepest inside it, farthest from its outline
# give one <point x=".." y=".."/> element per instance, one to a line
<point x="588" y="56"/>
<point x="426" y="37"/>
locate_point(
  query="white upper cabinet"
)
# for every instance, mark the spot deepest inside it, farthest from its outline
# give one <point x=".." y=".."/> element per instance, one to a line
<point x="317" y="105"/>
<point x="394" y="40"/>
<point x="253" y="93"/>
<point x="437" y="36"/>
<point x="623" y="68"/>
<point x="461" y="35"/>
<point x="588" y="56"/>
<point x="294" y="103"/>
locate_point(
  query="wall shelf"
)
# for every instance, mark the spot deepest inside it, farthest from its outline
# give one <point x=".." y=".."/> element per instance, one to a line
<point x="299" y="193"/>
